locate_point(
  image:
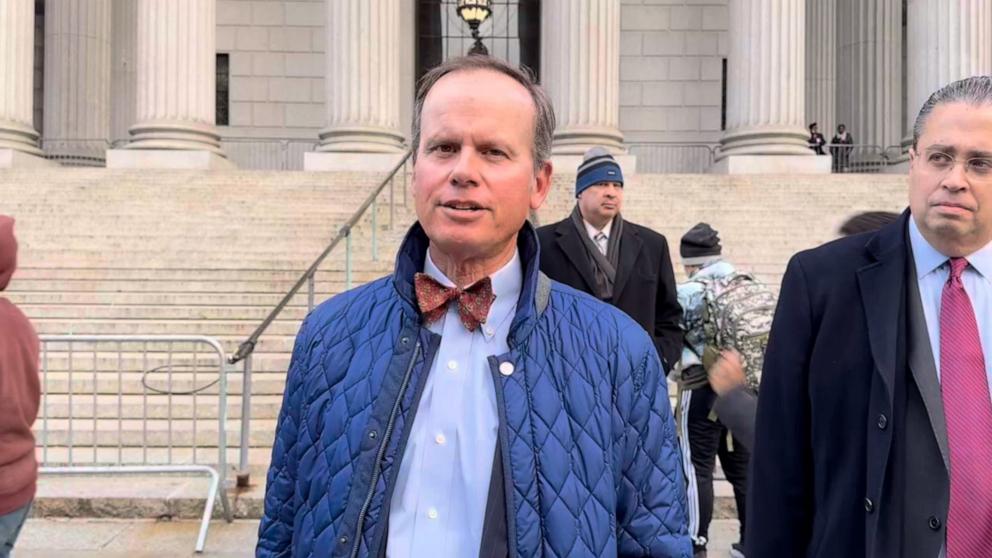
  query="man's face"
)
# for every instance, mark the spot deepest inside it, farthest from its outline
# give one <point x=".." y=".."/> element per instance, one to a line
<point x="474" y="180"/>
<point x="601" y="202"/>
<point x="840" y="129"/>
<point x="950" y="178"/>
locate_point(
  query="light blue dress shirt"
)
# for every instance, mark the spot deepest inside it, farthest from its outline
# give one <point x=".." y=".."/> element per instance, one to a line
<point x="932" y="271"/>
<point x="439" y="503"/>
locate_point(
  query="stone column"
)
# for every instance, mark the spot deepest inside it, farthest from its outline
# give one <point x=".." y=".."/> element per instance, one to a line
<point x="123" y="64"/>
<point x="18" y="138"/>
<point x="821" y="64"/>
<point x="869" y="74"/>
<point x="766" y="132"/>
<point x="77" y="78"/>
<point x="363" y="86"/>
<point x="947" y="40"/>
<point x="176" y="75"/>
<point x="580" y="68"/>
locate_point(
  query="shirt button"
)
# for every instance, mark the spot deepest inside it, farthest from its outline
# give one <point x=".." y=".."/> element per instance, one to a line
<point x="506" y="368"/>
<point x="882" y="422"/>
<point x="440" y="439"/>
<point x="490" y="332"/>
<point x="869" y="505"/>
<point x="432" y="513"/>
<point x="934" y="523"/>
<point x="452" y="365"/>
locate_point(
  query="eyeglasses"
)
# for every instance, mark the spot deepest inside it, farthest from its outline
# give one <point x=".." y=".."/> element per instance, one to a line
<point x="940" y="163"/>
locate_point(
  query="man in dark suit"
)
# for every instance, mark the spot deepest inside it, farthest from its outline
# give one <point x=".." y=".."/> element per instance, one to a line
<point x="874" y="426"/>
<point x="624" y="264"/>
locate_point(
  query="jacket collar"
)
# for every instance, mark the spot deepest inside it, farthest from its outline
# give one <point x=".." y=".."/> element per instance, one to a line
<point x="413" y="253"/>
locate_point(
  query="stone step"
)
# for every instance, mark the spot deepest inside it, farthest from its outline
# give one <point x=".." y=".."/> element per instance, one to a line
<point x="127" y="407"/>
<point x="84" y="385"/>
<point x="85" y="434"/>
<point x="153" y="285"/>
<point x="180" y="497"/>
<point x="192" y="299"/>
<point x="213" y="328"/>
<point x="168" y="312"/>
<point x="176" y="274"/>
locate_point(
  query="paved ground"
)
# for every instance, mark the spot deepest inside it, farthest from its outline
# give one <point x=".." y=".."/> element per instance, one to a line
<point x="123" y="538"/>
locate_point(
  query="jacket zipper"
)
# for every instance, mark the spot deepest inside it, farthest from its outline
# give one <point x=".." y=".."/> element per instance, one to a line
<point x="382" y="450"/>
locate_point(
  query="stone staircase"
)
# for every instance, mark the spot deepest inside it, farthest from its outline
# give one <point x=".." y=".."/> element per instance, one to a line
<point x="211" y="253"/>
<point x="106" y="252"/>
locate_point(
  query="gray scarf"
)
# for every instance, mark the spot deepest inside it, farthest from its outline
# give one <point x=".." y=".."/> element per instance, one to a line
<point x="604" y="267"/>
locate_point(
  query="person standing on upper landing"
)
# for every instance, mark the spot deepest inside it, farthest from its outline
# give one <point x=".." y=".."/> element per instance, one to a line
<point x="596" y="251"/>
<point x="467" y="405"/>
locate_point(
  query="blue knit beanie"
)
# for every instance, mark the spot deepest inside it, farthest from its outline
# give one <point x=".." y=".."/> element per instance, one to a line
<point x="597" y="166"/>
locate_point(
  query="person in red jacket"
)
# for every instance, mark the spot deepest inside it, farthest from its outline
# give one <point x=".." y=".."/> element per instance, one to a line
<point x="20" y="394"/>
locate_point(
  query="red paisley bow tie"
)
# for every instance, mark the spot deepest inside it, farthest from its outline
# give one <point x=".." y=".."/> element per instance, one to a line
<point x="473" y="302"/>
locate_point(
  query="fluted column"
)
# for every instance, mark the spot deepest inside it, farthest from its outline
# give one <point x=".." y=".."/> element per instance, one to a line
<point x="363" y="77"/>
<point x="580" y="65"/>
<point x="821" y="63"/>
<point x="947" y="40"/>
<point x="17" y="77"/>
<point x="176" y="76"/>
<point x="766" y="75"/>
<point x="123" y="62"/>
<point x="77" y="77"/>
<point x="870" y="73"/>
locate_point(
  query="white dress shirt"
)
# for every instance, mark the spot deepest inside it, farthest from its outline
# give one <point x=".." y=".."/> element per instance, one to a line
<point x="439" y="502"/>
<point x="601" y="238"/>
<point x="932" y="271"/>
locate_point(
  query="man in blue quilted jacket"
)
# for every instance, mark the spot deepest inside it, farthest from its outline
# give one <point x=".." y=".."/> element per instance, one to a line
<point x="467" y="405"/>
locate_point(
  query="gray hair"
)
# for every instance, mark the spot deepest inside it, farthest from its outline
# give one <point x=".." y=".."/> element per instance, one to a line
<point x="975" y="90"/>
<point x="544" y="125"/>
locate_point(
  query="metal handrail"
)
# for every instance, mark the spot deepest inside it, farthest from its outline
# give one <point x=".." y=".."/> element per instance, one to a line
<point x="247" y="347"/>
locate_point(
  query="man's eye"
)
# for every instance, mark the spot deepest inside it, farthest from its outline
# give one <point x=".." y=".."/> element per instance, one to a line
<point x="495" y="153"/>
<point x="443" y="148"/>
<point x="981" y="166"/>
<point x="939" y="159"/>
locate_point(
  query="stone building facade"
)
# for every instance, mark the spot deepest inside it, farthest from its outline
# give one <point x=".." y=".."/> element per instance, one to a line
<point x="197" y="82"/>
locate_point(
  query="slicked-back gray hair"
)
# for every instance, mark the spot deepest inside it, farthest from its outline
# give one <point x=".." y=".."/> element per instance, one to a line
<point x="975" y="90"/>
<point x="544" y="124"/>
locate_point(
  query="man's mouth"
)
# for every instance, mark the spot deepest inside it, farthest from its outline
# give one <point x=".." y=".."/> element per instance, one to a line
<point x="952" y="205"/>
<point x="463" y="206"/>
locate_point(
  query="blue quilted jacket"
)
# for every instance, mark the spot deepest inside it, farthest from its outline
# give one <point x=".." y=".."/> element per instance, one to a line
<point x="588" y="441"/>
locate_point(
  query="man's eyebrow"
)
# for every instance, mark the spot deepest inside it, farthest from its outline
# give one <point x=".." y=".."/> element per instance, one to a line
<point x="951" y="150"/>
<point x="941" y="148"/>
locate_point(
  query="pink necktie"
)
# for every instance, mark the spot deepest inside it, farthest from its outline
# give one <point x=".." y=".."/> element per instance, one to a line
<point x="968" y="412"/>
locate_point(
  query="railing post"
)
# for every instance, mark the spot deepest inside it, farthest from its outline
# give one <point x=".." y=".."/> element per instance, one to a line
<point x="375" y="225"/>
<point x="310" y="291"/>
<point x="405" y="163"/>
<point x="347" y="260"/>
<point x="244" y="475"/>
<point x="392" y="200"/>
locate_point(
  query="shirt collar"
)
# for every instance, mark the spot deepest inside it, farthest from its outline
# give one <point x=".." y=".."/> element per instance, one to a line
<point x="928" y="259"/>
<point x="593" y="231"/>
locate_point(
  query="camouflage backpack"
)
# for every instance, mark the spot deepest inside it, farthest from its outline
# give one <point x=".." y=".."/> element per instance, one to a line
<point x="737" y="313"/>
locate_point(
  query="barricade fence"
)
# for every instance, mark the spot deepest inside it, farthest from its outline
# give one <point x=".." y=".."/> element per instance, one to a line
<point x="135" y="405"/>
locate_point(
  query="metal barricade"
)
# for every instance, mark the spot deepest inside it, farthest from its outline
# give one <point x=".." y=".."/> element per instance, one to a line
<point x="267" y="153"/>
<point x="673" y="157"/>
<point x="120" y="404"/>
<point x="857" y="158"/>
